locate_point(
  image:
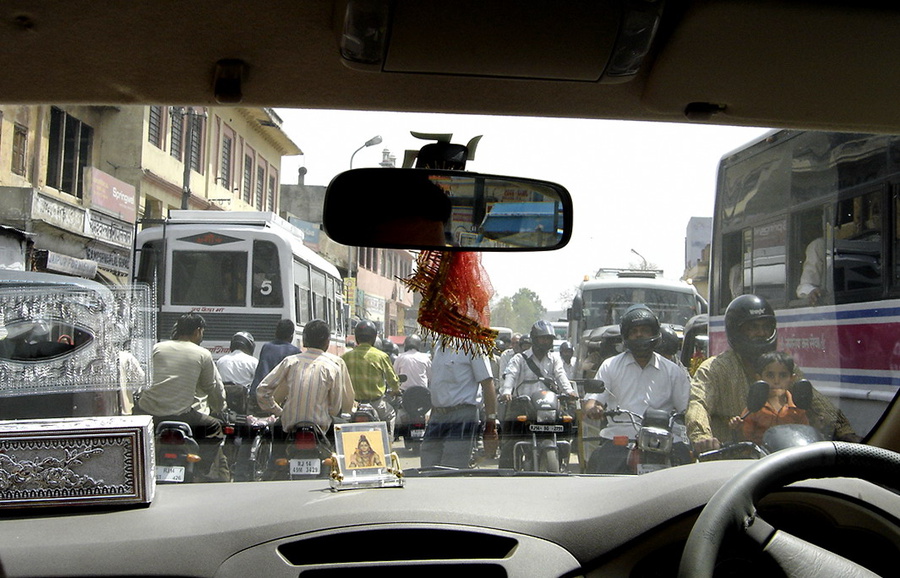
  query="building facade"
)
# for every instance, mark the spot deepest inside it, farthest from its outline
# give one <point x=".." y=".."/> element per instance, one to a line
<point x="76" y="179"/>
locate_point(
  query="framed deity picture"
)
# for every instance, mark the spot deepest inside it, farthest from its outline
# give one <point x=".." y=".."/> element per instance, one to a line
<point x="364" y="455"/>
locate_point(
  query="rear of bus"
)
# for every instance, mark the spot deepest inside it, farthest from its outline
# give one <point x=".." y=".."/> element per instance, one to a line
<point x="239" y="277"/>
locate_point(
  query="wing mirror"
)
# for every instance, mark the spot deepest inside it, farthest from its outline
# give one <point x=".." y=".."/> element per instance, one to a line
<point x="446" y="210"/>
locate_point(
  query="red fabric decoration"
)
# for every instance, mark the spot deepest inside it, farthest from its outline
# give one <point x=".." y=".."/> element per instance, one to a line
<point x="456" y="293"/>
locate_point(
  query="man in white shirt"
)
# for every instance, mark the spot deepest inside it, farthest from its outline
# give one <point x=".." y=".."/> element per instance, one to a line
<point x="414" y="363"/>
<point x="637" y="379"/>
<point x="237" y="368"/>
<point x="532" y="370"/>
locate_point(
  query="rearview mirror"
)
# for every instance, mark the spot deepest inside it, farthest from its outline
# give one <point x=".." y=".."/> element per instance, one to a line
<point x="446" y="210"/>
<point x="802" y="392"/>
<point x="756" y="398"/>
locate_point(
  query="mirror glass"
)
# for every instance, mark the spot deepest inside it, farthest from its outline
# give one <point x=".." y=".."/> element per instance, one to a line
<point x="448" y="210"/>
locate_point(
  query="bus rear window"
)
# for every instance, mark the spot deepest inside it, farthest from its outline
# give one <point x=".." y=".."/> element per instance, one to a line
<point x="209" y="278"/>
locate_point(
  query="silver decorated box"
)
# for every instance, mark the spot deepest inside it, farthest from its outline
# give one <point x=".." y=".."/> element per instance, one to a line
<point x="76" y="461"/>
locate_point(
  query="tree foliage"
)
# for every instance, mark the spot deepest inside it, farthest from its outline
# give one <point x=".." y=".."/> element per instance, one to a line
<point x="518" y="312"/>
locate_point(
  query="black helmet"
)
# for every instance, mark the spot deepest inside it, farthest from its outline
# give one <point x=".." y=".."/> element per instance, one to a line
<point x="365" y="329"/>
<point x="541" y="328"/>
<point x="669" y="343"/>
<point x="747" y="308"/>
<point x="412" y="342"/>
<point x="635" y="316"/>
<point x="244" y="341"/>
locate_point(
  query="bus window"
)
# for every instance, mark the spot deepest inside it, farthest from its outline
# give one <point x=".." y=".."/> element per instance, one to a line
<point x="732" y="260"/>
<point x="810" y="259"/>
<point x="318" y="292"/>
<point x="301" y="287"/>
<point x="857" y="248"/>
<point x="768" y="261"/>
<point x="209" y="278"/>
<point x="150" y="266"/>
<point x="266" y="275"/>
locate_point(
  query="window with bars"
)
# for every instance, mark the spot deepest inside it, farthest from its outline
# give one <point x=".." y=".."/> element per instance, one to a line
<point x="270" y="196"/>
<point x="225" y="169"/>
<point x="19" y="149"/>
<point x="199" y="123"/>
<point x="176" y="146"/>
<point x="155" y="129"/>
<point x="260" y="186"/>
<point x="247" y="184"/>
<point x="69" y="151"/>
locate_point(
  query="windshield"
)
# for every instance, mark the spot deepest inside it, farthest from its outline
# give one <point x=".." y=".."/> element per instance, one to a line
<point x="242" y="269"/>
<point x="606" y="306"/>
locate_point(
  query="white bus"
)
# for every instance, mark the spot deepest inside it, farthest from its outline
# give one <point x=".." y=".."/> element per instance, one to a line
<point x="600" y="302"/>
<point x="242" y="271"/>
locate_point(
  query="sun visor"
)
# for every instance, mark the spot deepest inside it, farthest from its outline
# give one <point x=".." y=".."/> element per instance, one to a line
<point x="599" y="40"/>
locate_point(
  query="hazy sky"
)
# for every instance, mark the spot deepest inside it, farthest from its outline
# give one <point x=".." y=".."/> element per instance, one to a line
<point x="633" y="185"/>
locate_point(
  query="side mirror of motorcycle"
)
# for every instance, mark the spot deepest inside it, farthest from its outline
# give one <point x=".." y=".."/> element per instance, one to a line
<point x="402" y="377"/>
<point x="757" y="396"/>
<point x="593" y="385"/>
<point x="802" y="392"/>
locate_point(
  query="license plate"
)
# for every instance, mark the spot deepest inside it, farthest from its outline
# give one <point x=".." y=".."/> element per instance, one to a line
<point x="305" y="467"/>
<point x="546" y="428"/>
<point x="417" y="434"/>
<point x="170" y="474"/>
<point x="647" y="468"/>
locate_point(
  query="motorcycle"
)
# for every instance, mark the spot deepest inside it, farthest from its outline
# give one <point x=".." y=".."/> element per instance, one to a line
<point x="307" y="454"/>
<point x="412" y="408"/>
<point x="659" y="441"/>
<point x="177" y="452"/>
<point x="544" y="427"/>
<point x="777" y="437"/>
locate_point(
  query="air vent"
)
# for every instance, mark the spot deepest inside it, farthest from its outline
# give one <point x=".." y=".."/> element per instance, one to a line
<point x="415" y="571"/>
<point x="398" y="545"/>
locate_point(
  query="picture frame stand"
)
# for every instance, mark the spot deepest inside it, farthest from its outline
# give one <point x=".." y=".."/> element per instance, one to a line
<point x="363" y="458"/>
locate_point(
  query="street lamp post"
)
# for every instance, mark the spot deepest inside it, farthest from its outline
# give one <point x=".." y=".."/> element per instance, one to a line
<point x="644" y="265"/>
<point x="371" y="142"/>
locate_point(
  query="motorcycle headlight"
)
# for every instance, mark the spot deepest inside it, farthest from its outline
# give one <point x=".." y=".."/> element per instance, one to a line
<point x="546" y="416"/>
<point x="653" y="439"/>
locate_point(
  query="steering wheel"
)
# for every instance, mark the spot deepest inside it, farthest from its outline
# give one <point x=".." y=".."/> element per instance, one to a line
<point x="734" y="506"/>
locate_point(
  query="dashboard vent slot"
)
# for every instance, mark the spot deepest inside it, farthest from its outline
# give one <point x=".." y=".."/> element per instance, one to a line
<point x="397" y="545"/>
<point x="416" y="571"/>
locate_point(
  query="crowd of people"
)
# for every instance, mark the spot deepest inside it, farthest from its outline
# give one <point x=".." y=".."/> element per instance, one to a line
<point x="470" y="392"/>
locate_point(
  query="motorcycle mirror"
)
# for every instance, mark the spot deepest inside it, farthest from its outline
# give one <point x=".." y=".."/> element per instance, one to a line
<point x="802" y="392"/>
<point x="593" y="385"/>
<point x="402" y="377"/>
<point x="757" y="396"/>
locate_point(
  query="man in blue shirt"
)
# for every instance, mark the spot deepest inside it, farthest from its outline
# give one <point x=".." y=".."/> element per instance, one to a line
<point x="271" y="355"/>
<point x="457" y="378"/>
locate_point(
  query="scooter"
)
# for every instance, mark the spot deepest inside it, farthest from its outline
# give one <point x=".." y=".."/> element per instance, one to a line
<point x="777" y="437"/>
<point x="412" y="408"/>
<point x="177" y="452"/>
<point x="546" y="425"/>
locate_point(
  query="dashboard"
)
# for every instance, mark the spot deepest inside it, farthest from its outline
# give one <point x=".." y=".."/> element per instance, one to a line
<point x="486" y="526"/>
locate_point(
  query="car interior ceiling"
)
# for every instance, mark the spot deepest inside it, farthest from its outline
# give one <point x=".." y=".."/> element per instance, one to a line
<point x="710" y="62"/>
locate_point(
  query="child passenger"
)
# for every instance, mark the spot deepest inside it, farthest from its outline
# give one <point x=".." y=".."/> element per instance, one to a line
<point x="777" y="369"/>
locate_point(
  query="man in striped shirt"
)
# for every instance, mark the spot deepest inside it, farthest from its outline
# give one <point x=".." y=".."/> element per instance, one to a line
<point x="312" y="386"/>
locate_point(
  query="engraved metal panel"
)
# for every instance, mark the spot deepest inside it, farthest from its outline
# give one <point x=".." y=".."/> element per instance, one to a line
<point x="76" y="461"/>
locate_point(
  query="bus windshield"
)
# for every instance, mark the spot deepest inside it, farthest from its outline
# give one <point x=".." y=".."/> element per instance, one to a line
<point x="605" y="306"/>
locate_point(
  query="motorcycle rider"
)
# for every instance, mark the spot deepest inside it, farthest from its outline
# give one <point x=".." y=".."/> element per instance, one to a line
<point x="637" y="379"/>
<point x="237" y="368"/>
<point x="414" y="363"/>
<point x="720" y="385"/>
<point x="528" y="372"/>
<point x="372" y="373"/>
